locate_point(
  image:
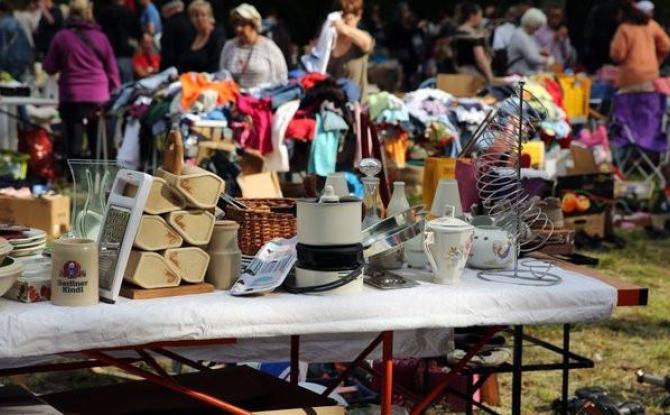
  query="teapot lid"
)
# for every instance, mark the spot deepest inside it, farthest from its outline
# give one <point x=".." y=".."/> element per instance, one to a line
<point x="450" y="222"/>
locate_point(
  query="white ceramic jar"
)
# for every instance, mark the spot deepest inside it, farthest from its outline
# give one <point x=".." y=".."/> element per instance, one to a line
<point x="224" y="255"/>
<point x="74" y="272"/>
<point x="326" y="223"/>
<point x="447" y="244"/>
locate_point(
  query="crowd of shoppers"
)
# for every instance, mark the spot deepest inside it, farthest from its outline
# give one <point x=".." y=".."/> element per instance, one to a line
<point x="133" y="39"/>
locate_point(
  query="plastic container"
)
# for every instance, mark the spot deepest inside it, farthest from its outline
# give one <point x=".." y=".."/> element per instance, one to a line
<point x="200" y="188"/>
<point x="194" y="226"/>
<point x="155" y="234"/>
<point x="192" y="262"/>
<point x="151" y="270"/>
<point x="163" y="198"/>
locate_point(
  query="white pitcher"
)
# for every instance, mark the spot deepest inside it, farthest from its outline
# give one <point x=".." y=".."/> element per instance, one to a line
<point x="447" y="244"/>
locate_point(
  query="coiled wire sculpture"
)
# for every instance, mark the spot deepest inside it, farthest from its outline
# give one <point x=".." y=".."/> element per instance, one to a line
<point x="497" y="145"/>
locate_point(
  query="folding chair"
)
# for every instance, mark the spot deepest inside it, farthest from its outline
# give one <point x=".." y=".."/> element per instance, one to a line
<point x="638" y="135"/>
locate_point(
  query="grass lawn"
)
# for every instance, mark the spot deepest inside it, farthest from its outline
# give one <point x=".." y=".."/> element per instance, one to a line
<point x="635" y="338"/>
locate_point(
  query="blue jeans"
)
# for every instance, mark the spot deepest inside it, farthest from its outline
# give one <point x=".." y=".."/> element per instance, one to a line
<point x="125" y="69"/>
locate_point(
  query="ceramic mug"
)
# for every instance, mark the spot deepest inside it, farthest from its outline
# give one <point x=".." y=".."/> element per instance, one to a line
<point x="447" y="249"/>
<point x="74" y="272"/>
<point x="492" y="248"/>
<point x="225" y="255"/>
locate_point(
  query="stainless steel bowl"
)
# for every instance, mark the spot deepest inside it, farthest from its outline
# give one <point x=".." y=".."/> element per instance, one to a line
<point x="393" y="231"/>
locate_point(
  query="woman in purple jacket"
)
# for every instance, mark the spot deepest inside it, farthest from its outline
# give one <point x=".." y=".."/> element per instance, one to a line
<point x="82" y="55"/>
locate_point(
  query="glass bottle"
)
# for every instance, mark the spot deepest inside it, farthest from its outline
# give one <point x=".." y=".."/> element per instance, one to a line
<point x="399" y="202"/>
<point x="371" y="167"/>
<point x="371" y="202"/>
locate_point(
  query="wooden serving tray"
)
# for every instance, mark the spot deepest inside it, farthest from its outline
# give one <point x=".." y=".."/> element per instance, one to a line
<point x="137" y="293"/>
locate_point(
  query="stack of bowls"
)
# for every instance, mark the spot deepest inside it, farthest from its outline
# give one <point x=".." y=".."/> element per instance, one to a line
<point x="10" y="270"/>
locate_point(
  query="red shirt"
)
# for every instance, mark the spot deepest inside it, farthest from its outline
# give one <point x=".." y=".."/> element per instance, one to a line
<point x="145" y="61"/>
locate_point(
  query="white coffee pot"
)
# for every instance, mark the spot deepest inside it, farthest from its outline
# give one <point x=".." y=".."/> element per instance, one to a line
<point x="447" y="243"/>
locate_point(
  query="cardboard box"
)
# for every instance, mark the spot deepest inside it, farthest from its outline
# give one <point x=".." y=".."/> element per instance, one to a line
<point x="593" y="225"/>
<point x="598" y="188"/>
<point x="49" y="213"/>
<point x="242" y="386"/>
<point x="260" y="186"/>
<point x="584" y="161"/>
<point x="460" y="85"/>
<point x="599" y="184"/>
<point x="560" y="242"/>
<point x="635" y="190"/>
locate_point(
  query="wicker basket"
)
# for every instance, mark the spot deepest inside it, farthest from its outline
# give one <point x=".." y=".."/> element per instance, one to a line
<point x="258" y="224"/>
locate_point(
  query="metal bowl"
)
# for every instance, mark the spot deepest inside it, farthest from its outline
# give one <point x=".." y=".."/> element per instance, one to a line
<point x="393" y="231"/>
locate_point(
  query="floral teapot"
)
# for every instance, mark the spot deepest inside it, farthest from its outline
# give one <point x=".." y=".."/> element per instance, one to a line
<point x="447" y="244"/>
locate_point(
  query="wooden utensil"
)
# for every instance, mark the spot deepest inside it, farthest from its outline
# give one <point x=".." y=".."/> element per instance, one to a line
<point x="173" y="161"/>
<point x="135" y="293"/>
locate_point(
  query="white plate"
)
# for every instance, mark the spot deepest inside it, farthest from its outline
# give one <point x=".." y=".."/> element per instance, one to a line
<point x="36" y="250"/>
<point x="30" y="244"/>
<point x="30" y="236"/>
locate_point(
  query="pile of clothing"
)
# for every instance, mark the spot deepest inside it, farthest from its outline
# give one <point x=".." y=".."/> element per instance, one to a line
<point x="428" y="121"/>
<point x="305" y="123"/>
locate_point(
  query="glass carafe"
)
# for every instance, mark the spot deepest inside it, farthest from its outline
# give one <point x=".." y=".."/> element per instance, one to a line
<point x="91" y="183"/>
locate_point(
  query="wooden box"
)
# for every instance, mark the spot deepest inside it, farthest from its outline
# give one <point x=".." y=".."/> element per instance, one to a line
<point x="593" y="224"/>
<point x="48" y="213"/>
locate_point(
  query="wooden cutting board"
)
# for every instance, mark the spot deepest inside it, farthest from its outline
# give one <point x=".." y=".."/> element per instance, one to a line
<point x="137" y="293"/>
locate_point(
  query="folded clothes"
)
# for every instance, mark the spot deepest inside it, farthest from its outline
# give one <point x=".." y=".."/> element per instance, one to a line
<point x="193" y="84"/>
<point x="351" y="89"/>
<point x="323" y="152"/>
<point x="258" y="133"/>
<point x="281" y="94"/>
<point x="382" y="101"/>
<point x="301" y="129"/>
<point x="332" y="121"/>
<point x="217" y="114"/>
<point x="278" y="159"/>
<point x="311" y="79"/>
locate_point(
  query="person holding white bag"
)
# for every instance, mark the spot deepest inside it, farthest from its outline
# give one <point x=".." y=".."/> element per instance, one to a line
<point x="342" y="49"/>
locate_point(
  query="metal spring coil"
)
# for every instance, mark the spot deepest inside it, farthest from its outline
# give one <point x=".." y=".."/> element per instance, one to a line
<point x="497" y="159"/>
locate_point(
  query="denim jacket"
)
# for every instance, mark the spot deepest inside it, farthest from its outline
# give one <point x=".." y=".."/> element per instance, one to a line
<point x="16" y="54"/>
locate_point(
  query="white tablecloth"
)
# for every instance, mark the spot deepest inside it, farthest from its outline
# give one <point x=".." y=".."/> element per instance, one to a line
<point x="29" y="331"/>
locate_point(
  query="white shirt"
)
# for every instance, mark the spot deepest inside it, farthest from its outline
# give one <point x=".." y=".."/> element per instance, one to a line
<point x="502" y="35"/>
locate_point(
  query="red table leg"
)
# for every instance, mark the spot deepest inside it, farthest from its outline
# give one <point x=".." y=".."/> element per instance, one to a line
<point x="439" y="388"/>
<point x="179" y="358"/>
<point x="166" y="382"/>
<point x="387" y="359"/>
<point x="372" y="346"/>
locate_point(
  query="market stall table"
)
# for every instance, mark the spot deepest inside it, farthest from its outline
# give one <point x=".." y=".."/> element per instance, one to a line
<point x="34" y="333"/>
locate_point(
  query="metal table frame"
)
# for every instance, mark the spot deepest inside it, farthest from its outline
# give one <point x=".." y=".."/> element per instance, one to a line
<point x="157" y="375"/>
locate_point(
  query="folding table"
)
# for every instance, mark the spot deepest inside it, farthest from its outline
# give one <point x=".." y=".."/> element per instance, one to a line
<point x="217" y="326"/>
